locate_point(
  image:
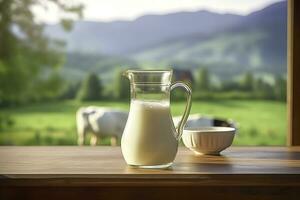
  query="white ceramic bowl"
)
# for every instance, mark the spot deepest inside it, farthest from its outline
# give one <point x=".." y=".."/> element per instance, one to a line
<point x="208" y="140"/>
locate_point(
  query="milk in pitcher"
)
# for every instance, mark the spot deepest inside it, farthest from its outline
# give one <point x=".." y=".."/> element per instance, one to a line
<point x="149" y="137"/>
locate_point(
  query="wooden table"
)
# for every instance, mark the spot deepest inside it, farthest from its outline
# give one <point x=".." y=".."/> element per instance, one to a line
<point x="101" y="173"/>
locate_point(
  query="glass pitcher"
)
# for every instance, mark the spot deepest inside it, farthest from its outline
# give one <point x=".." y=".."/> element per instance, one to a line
<point x="150" y="139"/>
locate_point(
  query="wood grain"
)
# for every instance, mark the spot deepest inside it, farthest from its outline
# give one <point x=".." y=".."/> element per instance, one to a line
<point x="101" y="173"/>
<point x="107" y="164"/>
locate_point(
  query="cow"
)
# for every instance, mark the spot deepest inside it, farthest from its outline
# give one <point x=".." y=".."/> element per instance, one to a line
<point x="100" y="121"/>
<point x="198" y="120"/>
<point x="195" y="120"/>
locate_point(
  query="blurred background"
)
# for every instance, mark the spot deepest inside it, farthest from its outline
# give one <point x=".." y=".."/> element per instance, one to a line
<point x="57" y="56"/>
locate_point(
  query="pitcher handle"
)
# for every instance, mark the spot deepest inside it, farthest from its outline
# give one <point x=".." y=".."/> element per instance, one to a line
<point x="188" y="106"/>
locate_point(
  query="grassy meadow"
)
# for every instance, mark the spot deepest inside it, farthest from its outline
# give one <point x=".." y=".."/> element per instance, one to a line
<point x="260" y="122"/>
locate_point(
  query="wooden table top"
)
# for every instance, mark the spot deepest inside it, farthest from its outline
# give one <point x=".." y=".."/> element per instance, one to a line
<point x="105" y="165"/>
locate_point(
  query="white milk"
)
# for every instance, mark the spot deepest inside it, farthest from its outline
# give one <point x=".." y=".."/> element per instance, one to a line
<point x="149" y="135"/>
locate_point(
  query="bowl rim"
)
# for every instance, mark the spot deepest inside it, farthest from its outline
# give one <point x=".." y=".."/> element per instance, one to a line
<point x="212" y="129"/>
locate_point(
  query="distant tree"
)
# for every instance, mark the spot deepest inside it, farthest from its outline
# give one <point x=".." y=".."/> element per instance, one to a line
<point x="70" y="91"/>
<point x="230" y="85"/>
<point x="91" y="88"/>
<point x="122" y="88"/>
<point x="49" y="89"/>
<point x="258" y="85"/>
<point x="203" y="80"/>
<point x="247" y="82"/>
<point x="263" y="89"/>
<point x="280" y="89"/>
<point x="27" y="56"/>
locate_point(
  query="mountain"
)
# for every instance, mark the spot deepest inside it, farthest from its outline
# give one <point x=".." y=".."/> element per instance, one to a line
<point x="256" y="43"/>
<point x="226" y="44"/>
<point x="121" y="37"/>
<point x="78" y="64"/>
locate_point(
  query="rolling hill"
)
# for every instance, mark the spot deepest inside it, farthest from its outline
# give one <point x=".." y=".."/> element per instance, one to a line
<point x="226" y="44"/>
<point x="256" y="43"/>
<point x="121" y="37"/>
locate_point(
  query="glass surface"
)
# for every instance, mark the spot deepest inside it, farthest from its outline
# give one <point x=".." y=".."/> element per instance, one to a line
<point x="150" y="85"/>
<point x="150" y="139"/>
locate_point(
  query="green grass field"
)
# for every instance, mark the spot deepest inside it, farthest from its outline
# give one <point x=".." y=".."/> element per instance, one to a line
<point x="260" y="122"/>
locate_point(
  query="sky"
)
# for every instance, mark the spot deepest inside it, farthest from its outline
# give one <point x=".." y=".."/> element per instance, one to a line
<point x="110" y="10"/>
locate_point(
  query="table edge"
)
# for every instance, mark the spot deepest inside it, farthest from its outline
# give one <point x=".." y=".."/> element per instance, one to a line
<point x="80" y="180"/>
